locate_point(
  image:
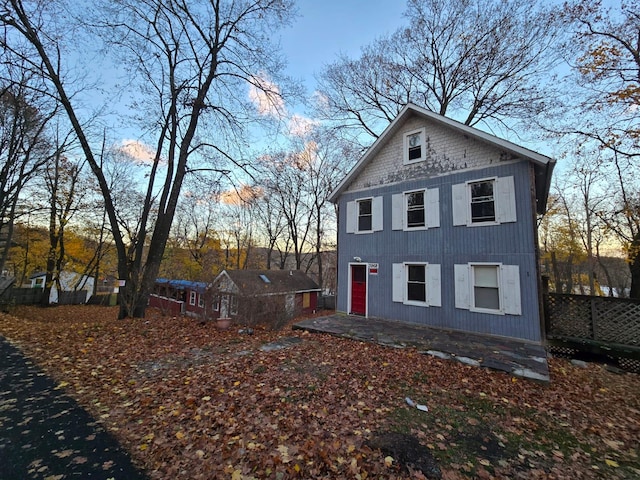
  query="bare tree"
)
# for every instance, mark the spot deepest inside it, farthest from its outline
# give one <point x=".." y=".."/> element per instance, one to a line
<point x="194" y="61"/>
<point x="65" y="195"/>
<point x="625" y="222"/>
<point x="283" y="179"/>
<point x="607" y="75"/>
<point x="270" y="224"/>
<point x="561" y="249"/>
<point x="195" y="232"/>
<point x="328" y="159"/>
<point x="478" y="61"/>
<point x="607" y="67"/>
<point x="236" y="228"/>
<point x="584" y="198"/>
<point x="24" y="147"/>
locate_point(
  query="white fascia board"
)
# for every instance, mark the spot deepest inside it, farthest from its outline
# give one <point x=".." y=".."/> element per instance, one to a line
<point x="371" y="151"/>
<point x="486" y="137"/>
<point x="454" y="125"/>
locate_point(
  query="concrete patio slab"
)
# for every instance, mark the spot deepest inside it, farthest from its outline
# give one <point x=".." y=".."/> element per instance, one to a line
<point x="519" y="358"/>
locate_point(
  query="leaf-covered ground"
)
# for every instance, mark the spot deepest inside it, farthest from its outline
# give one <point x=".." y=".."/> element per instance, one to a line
<point x="189" y="401"/>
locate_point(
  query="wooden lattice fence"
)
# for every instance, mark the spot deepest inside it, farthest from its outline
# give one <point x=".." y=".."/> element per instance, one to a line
<point x="597" y="325"/>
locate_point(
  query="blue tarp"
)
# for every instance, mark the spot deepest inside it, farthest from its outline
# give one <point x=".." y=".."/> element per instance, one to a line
<point x="182" y="284"/>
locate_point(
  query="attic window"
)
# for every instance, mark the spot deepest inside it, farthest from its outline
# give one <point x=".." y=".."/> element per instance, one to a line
<point x="414" y="146"/>
<point x="265" y="279"/>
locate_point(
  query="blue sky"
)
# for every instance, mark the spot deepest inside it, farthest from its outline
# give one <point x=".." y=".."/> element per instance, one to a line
<point x="323" y="30"/>
<point x="326" y="28"/>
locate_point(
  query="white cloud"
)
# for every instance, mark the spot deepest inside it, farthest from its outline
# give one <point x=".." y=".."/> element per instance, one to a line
<point x="241" y="196"/>
<point x="137" y="151"/>
<point x="300" y="126"/>
<point x="265" y="95"/>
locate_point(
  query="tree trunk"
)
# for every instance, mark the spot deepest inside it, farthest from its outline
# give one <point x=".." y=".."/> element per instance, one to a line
<point x="634" y="267"/>
<point x="606" y="273"/>
<point x="556" y="274"/>
<point x="570" y="274"/>
<point x="8" y="227"/>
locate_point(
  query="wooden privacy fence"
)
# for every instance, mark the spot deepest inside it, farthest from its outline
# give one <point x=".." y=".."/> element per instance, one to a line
<point x="595" y="325"/>
<point x="77" y="297"/>
<point x="33" y="296"/>
<point x="24" y="296"/>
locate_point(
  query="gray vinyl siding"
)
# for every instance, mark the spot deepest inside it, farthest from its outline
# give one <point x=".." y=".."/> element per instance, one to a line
<point x="447" y="245"/>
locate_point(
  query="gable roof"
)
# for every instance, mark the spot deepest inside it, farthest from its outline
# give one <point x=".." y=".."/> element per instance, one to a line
<point x="543" y="165"/>
<point x="264" y="282"/>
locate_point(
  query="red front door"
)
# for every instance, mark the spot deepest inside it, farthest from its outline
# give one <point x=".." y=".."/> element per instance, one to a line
<point x="358" y="289"/>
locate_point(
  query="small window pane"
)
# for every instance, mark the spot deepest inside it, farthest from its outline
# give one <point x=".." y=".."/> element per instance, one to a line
<point x="415" y="199"/>
<point x="365" y="223"/>
<point x="416" y="273"/>
<point x="485" y="287"/>
<point x="365" y="217"/>
<point x="415" y="218"/>
<point x="415" y="146"/>
<point x="415" y="153"/>
<point x="482" y="189"/>
<point x="482" y="202"/>
<point x="416" y="292"/>
<point x="415" y="209"/>
<point x="486" y="276"/>
<point x="416" y="284"/>
<point x="487" y="298"/>
<point x="483" y="212"/>
<point x="364" y="207"/>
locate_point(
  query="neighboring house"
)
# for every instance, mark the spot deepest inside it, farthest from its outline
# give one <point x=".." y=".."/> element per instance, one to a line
<point x="253" y="295"/>
<point x="177" y="297"/>
<point x="437" y="226"/>
<point x="71" y="284"/>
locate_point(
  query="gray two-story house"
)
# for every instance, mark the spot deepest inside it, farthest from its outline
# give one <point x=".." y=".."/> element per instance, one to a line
<point x="437" y="226"/>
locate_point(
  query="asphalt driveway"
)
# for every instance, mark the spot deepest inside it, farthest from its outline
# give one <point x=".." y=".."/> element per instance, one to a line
<point x="45" y="434"/>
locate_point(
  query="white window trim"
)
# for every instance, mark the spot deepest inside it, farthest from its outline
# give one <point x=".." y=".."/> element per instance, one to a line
<point x="233" y="307"/>
<point x="358" y="202"/>
<point x="433" y="281"/>
<point x="399" y="209"/>
<point x="192" y="297"/>
<point x="508" y="288"/>
<point x="405" y="195"/>
<point x="377" y="217"/>
<point x="405" y="143"/>
<point x="200" y="301"/>
<point x="504" y="202"/>
<point x="406" y="284"/>
<point x="473" y="308"/>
